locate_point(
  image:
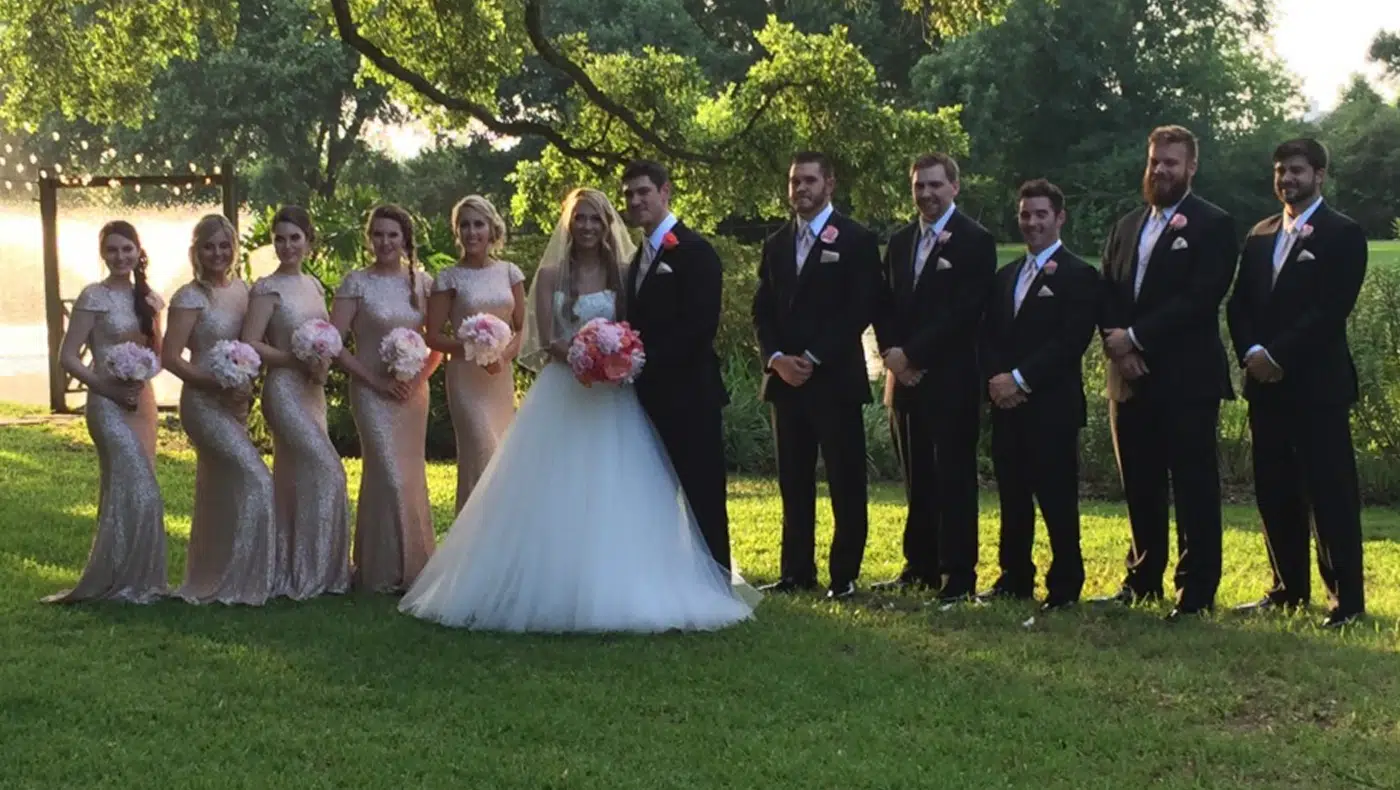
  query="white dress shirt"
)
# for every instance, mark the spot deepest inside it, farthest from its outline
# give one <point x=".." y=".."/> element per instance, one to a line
<point x="652" y="246"/>
<point x="928" y="237"/>
<point x="804" y="245"/>
<point x="1030" y="268"/>
<point x="1152" y="230"/>
<point x="1284" y="240"/>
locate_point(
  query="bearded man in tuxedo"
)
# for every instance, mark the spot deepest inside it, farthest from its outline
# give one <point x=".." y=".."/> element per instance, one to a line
<point x="937" y="275"/>
<point x="1300" y="273"/>
<point x="1167" y="267"/>
<point x="1039" y="320"/>
<point x="816" y="286"/>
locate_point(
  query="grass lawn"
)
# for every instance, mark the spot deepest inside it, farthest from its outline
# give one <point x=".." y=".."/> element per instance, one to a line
<point x="345" y="692"/>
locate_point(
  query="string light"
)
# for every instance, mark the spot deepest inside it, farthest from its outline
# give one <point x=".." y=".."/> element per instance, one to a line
<point x="2" y="161"/>
<point x="55" y="137"/>
<point x="9" y="185"/>
<point x="57" y="168"/>
<point x="137" y="187"/>
<point x="193" y="169"/>
<point x="137" y="158"/>
<point x="9" y="149"/>
<point x="43" y="174"/>
<point x="19" y="168"/>
<point x="84" y="144"/>
<point x="217" y="170"/>
<point x="29" y="185"/>
<point x="33" y="160"/>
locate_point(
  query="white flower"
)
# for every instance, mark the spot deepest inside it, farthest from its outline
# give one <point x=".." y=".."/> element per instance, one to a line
<point x="132" y="362"/>
<point x="404" y="353"/>
<point x="484" y="338"/>
<point x="233" y="364"/>
<point x="316" y="341"/>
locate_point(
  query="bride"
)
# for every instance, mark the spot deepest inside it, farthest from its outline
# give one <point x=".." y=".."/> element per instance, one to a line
<point x="578" y="522"/>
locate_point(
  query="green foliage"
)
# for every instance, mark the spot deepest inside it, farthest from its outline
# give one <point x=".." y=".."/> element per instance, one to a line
<point x="808" y="91"/>
<point x="1069" y="90"/>
<point x="1363" y="135"/>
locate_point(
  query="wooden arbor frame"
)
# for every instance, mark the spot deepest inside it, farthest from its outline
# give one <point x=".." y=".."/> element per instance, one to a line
<point x="55" y="306"/>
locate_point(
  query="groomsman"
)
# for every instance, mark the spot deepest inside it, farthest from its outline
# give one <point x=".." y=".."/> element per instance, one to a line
<point x="938" y="273"/>
<point x="1167" y="266"/>
<point x="816" y="284"/>
<point x="1299" y="276"/>
<point x="1039" y="320"/>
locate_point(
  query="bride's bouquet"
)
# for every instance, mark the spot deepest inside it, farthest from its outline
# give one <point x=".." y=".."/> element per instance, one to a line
<point x="606" y="352"/>
<point x="233" y="364"/>
<point x="316" y="342"/>
<point x="132" y="361"/>
<point x="403" y="352"/>
<point x="484" y="338"/>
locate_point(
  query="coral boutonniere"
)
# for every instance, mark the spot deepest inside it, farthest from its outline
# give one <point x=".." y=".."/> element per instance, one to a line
<point x="1305" y="231"/>
<point x="669" y="241"/>
<point x="1050" y="267"/>
<point x="945" y="237"/>
<point x="1178" y="221"/>
<point x="829" y="234"/>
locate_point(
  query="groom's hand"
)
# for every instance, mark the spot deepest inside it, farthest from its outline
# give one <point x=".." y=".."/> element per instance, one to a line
<point x="793" y="370"/>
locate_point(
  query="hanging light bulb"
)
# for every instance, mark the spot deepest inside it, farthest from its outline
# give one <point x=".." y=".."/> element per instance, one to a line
<point x="168" y="165"/>
<point x="19" y="168"/>
<point x="9" y="185"/>
<point x="175" y="191"/>
<point x="29" y="185"/>
<point x="137" y="158"/>
<point x="43" y="174"/>
<point x="55" y="137"/>
<point x="84" y="144"/>
<point x="137" y="187"/>
<point x="9" y="149"/>
<point x="2" y="161"/>
<point x="57" y="168"/>
<point x="193" y="169"/>
<point x="217" y="170"/>
<point x="114" y="183"/>
<point x="33" y="160"/>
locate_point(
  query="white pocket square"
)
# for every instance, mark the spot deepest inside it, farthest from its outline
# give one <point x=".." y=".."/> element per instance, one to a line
<point x="1179" y="243"/>
<point x="1306" y="256"/>
<point x="662" y="268"/>
<point x="830" y="256"/>
<point x="943" y="263"/>
<point x="1045" y="291"/>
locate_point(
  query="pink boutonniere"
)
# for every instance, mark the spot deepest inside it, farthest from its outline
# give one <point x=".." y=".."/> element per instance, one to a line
<point x="1050" y="267"/>
<point x="829" y="234"/>
<point x="945" y="237"/>
<point x="1178" y="221"/>
<point x="669" y="241"/>
<point x="1305" y="231"/>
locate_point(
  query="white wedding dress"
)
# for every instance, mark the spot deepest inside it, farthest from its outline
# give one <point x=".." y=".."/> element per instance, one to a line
<point x="578" y="524"/>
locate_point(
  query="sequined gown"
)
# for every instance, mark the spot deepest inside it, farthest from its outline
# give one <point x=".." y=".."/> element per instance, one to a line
<point x="313" y="514"/>
<point x="481" y="404"/>
<point x="232" y="555"/>
<point x="393" y="522"/>
<point x="127" y="561"/>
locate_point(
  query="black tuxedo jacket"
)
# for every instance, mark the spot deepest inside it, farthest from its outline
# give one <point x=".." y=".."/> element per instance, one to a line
<point x="1045" y="341"/>
<point x="677" y="314"/>
<point x="822" y="311"/>
<point x="936" y="322"/>
<point x="1176" y="315"/>
<point x="1301" y="319"/>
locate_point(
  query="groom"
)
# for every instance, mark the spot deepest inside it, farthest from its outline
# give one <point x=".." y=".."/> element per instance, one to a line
<point x="673" y="300"/>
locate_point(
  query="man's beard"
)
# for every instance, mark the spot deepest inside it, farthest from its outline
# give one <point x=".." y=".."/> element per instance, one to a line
<point x="1161" y="192"/>
<point x="1302" y="193"/>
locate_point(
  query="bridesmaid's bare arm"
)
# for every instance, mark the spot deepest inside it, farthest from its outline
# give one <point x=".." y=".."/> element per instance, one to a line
<point x="437" y="338"/>
<point x="69" y="356"/>
<point x="517" y="320"/>
<point x="260" y="309"/>
<point x="342" y="318"/>
<point x="177" y="337"/>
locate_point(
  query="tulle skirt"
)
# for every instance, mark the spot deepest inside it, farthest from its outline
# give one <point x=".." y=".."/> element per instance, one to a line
<point x="578" y="524"/>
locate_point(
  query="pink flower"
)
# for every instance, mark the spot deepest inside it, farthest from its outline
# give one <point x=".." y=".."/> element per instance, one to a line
<point x="1050" y="267"/>
<point x="1178" y="221"/>
<point x="945" y="237"/>
<point x="1305" y="231"/>
<point x="829" y="234"/>
<point x="606" y="352"/>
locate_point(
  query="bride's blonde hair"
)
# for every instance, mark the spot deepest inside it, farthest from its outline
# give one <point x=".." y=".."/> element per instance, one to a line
<point x="608" y="254"/>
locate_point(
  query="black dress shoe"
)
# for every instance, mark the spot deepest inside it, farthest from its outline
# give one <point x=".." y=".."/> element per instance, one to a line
<point x="788" y="586"/>
<point x="1057" y="604"/>
<point x="1180" y="613"/>
<point x="949" y="598"/>
<point x="1268" y="605"/>
<point x="1003" y="594"/>
<point x="840" y="592"/>
<point x="1127" y="597"/>
<point x="1338" y="619"/>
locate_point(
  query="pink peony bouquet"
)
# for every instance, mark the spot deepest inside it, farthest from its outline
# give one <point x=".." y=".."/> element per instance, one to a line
<point x="606" y="352"/>
<point x="403" y="352"/>
<point x="233" y="363"/>
<point x="484" y="338"/>
<point x="316" y="341"/>
<point x="131" y="361"/>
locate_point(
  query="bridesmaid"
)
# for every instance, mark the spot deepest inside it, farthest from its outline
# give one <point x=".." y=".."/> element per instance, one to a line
<point x="232" y="557"/>
<point x="313" y="514"/>
<point x="481" y="399"/>
<point x="393" y="523"/>
<point x="127" y="560"/>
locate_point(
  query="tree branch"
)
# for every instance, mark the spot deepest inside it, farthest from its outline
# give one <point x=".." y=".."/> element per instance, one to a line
<point x="534" y="28"/>
<point x="599" y="161"/>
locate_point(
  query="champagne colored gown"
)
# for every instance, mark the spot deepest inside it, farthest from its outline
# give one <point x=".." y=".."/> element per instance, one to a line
<point x="127" y="561"/>
<point x="308" y="479"/>
<point x="481" y="404"/>
<point x="393" y="521"/>
<point x="232" y="557"/>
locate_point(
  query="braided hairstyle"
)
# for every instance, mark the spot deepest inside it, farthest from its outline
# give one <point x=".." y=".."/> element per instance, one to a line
<point x="397" y="214"/>
<point x="145" y="313"/>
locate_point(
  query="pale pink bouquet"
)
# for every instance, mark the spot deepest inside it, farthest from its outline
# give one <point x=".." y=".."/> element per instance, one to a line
<point x="403" y="352"/>
<point x="606" y="352"/>
<point x="316" y="342"/>
<point x="484" y="338"/>
<point x="132" y="361"/>
<point x="233" y="364"/>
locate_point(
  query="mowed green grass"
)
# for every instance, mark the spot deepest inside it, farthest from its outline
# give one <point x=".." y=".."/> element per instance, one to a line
<point x="882" y="692"/>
